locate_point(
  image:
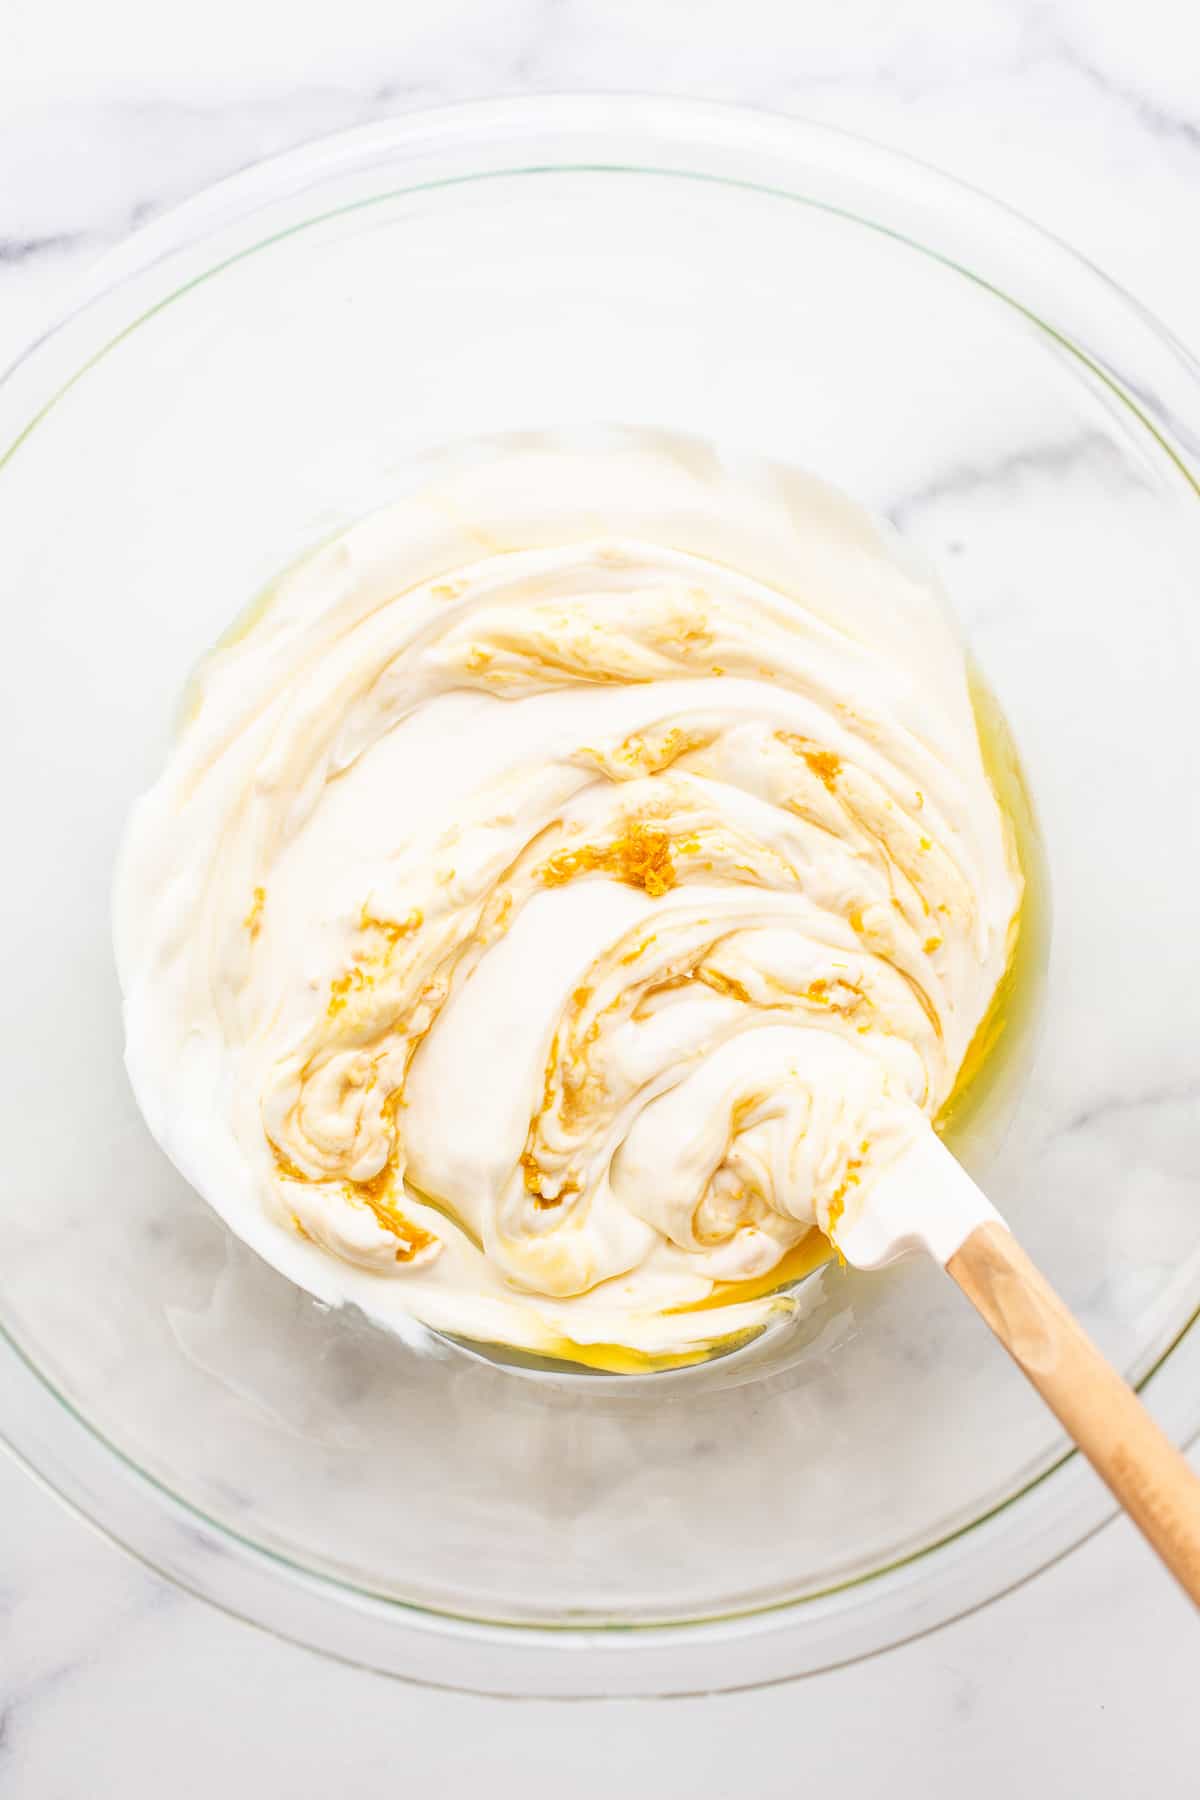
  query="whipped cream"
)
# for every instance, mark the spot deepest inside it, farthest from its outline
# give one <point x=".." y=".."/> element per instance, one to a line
<point x="567" y="887"/>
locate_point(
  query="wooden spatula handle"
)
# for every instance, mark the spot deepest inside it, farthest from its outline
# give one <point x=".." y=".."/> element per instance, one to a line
<point x="1153" y="1482"/>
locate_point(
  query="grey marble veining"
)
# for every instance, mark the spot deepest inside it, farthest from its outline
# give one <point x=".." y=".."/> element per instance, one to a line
<point x="1084" y="115"/>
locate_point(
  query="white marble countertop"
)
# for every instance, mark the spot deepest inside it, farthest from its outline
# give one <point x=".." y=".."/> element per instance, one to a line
<point x="1085" y="114"/>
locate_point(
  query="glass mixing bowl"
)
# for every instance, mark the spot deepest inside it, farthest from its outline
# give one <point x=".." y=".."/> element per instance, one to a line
<point x="272" y="361"/>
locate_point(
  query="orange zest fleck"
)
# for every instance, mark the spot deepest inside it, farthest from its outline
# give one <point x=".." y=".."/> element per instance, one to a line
<point x="253" y="919"/>
<point x="342" y="986"/>
<point x="640" y="857"/>
<point x="837" y="1205"/>
<point x="392" y="929"/>
<point x="824" y="765"/>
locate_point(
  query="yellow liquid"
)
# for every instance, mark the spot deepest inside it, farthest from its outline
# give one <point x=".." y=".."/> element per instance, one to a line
<point x="990" y="1072"/>
<point x="615" y="1359"/>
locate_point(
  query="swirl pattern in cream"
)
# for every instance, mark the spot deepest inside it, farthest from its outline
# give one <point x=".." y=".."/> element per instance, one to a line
<point x="568" y="885"/>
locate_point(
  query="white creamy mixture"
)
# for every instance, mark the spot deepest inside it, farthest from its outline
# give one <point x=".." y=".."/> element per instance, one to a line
<point x="573" y="883"/>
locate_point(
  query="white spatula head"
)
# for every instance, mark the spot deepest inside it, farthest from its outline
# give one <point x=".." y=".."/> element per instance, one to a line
<point x="923" y="1200"/>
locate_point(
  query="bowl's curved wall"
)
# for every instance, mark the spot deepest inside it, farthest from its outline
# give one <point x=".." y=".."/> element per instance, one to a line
<point x="274" y="360"/>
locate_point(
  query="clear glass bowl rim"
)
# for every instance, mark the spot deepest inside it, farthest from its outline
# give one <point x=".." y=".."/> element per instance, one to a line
<point x="1117" y="340"/>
